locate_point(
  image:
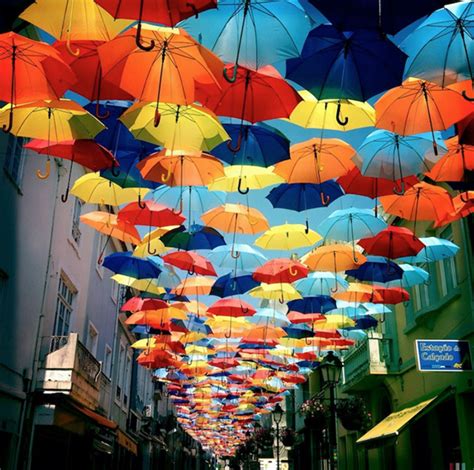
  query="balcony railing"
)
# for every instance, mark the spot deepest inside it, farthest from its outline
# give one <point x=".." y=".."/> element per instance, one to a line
<point x="364" y="363"/>
<point x="71" y="369"/>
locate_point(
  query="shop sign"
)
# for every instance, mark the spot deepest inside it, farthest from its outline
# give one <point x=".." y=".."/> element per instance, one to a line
<point x="443" y="355"/>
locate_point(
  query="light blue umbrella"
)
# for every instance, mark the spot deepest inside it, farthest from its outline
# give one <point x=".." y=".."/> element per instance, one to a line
<point x="441" y="49"/>
<point x="320" y="283"/>
<point x="412" y="276"/>
<point x="376" y="309"/>
<point x="391" y="156"/>
<point x="248" y="257"/>
<point x="269" y="316"/>
<point x="435" y="249"/>
<point x="251" y="33"/>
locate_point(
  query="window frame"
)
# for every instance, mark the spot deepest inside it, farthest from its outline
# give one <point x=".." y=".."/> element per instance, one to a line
<point x="67" y="301"/>
<point x="92" y="348"/>
<point x="14" y="151"/>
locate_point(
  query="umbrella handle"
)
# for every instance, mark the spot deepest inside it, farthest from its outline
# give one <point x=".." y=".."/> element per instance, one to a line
<point x="138" y="39"/>
<point x="402" y="188"/>
<point x="237" y="147"/>
<point x="293" y="272"/>
<point x="239" y="188"/>
<point x="115" y="170"/>
<point x="8" y="127"/>
<point x="281" y="300"/>
<point x="45" y="175"/>
<point x="149" y="250"/>
<point x="324" y="198"/>
<point x="97" y="111"/>
<point x="233" y="77"/>
<point x="167" y="176"/>
<point x="466" y="97"/>
<point x="234" y="254"/>
<point x="228" y="335"/>
<point x="306" y="230"/>
<point x="462" y="199"/>
<point x="180" y="211"/>
<point x="75" y="53"/>
<point x="191" y="271"/>
<point x="334" y="289"/>
<point x="244" y="309"/>
<point x="308" y="343"/>
<point x="141" y="204"/>
<point x="193" y="7"/>
<point x="340" y="120"/>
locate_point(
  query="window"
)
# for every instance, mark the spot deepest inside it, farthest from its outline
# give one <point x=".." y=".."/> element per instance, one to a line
<point x="114" y="294"/>
<point x="64" y="308"/>
<point x="14" y="158"/>
<point x="121" y="363"/>
<point x="128" y="375"/>
<point x="447" y="267"/>
<point x="92" y="339"/>
<point x="101" y="253"/>
<point x="107" y="365"/>
<point x="76" y="214"/>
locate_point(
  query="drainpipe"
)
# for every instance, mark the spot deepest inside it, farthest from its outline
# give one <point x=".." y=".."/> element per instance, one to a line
<point x="27" y="412"/>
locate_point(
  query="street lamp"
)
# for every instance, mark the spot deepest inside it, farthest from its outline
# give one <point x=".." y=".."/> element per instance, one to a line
<point x="277" y="417"/>
<point x="330" y="370"/>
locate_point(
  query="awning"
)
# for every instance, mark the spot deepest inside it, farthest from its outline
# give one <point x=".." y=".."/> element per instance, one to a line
<point x="395" y="423"/>
<point x="99" y="419"/>
<point x="127" y="442"/>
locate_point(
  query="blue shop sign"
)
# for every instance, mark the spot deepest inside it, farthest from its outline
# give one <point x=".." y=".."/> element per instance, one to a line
<point x="443" y="355"/>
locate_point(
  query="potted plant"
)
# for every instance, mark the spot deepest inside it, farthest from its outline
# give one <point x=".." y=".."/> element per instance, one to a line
<point x="315" y="413"/>
<point x="353" y="414"/>
<point x="288" y="437"/>
<point x="263" y="438"/>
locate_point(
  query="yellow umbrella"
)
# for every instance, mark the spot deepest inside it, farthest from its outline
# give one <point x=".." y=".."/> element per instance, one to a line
<point x="155" y="246"/>
<point x="283" y="292"/>
<point x="95" y="189"/>
<point x="74" y="20"/>
<point x="145" y="285"/>
<point x="333" y="114"/>
<point x="335" y="258"/>
<point x="287" y="237"/>
<point x="335" y="321"/>
<point x="145" y="343"/>
<point x="181" y="127"/>
<point x="242" y="178"/>
<point x="356" y="292"/>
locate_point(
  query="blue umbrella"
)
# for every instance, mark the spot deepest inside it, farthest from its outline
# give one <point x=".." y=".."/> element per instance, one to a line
<point x="269" y="316"/>
<point x="363" y="323"/>
<point x="388" y="16"/>
<point x="228" y="285"/>
<point x="248" y="257"/>
<point x="392" y="156"/>
<point x="377" y="269"/>
<point x="251" y="33"/>
<point x="412" y="276"/>
<point x="128" y="265"/>
<point x="320" y="283"/>
<point x="435" y="249"/>
<point x="259" y="146"/>
<point x="441" y="49"/>
<point x="198" y="237"/>
<point x="315" y="304"/>
<point x="352" y="64"/>
<point x="299" y="331"/>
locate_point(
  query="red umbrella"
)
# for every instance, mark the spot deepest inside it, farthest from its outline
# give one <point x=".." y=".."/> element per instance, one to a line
<point x="190" y="261"/>
<point x="153" y="214"/>
<point x="88" y="70"/>
<point x="155" y="11"/>
<point x="254" y="96"/>
<point x="231" y="308"/>
<point x="280" y="270"/>
<point x="226" y="363"/>
<point x="298" y="317"/>
<point x="392" y="242"/>
<point x="136" y="304"/>
<point x="157" y="358"/>
<point x="390" y="295"/>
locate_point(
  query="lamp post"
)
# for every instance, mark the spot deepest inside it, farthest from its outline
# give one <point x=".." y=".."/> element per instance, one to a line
<point x="330" y="370"/>
<point x="277" y="417"/>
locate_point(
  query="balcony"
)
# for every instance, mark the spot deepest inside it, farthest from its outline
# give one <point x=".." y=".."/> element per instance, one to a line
<point x="364" y="365"/>
<point x="71" y="369"/>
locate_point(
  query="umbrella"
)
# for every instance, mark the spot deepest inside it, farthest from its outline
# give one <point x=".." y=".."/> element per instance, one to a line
<point x="392" y="242"/>
<point x="327" y="114"/>
<point x="298" y="331"/>
<point x="440" y="48"/>
<point x="347" y="64"/>
<point x="420" y="106"/>
<point x="170" y="72"/>
<point x="251" y="33"/>
<point x="320" y="283"/>
<point x="280" y="270"/>
<point x="238" y="177"/>
<point x="377" y="269"/>
<point x="198" y="237"/>
<point x="315" y="304"/>
<point x="180" y="127"/>
<point x="287" y="237"/>
<point x="390" y="295"/>
<point x="145" y="285"/>
<point x="70" y="21"/>
<point x="298" y="317"/>
<point x="228" y="285"/>
<point x="240" y="256"/>
<point x="191" y="262"/>
<point x="151" y="244"/>
<point x="231" y="308"/>
<point x="151" y="214"/>
<point x="387" y="16"/>
<point x="198" y="285"/>
<point x="259" y="146"/>
<point x="357" y="293"/>
<point x="128" y="265"/>
<point x="94" y="189"/>
<point x="316" y="161"/>
<point x="280" y="291"/>
<point x="387" y="155"/>
<point x="269" y="317"/>
<point x="156" y="11"/>
<point x="335" y="258"/>
<point x="435" y="249"/>
<point x="412" y="276"/>
<point x="136" y="304"/>
<point x="30" y="71"/>
<point x="422" y="201"/>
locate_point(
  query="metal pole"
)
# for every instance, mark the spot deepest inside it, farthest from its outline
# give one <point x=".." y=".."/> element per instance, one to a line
<point x="278" y="445"/>
<point x="332" y="427"/>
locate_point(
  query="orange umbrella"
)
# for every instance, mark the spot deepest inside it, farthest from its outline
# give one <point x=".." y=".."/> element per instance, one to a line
<point x="168" y="72"/>
<point x="264" y="334"/>
<point x="180" y="168"/>
<point x="422" y="201"/>
<point x="316" y="161"/>
<point x="107" y="223"/>
<point x="463" y="206"/>
<point x="198" y="285"/>
<point x="298" y="317"/>
<point x="420" y="106"/>
<point x="357" y="293"/>
<point x="337" y="257"/>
